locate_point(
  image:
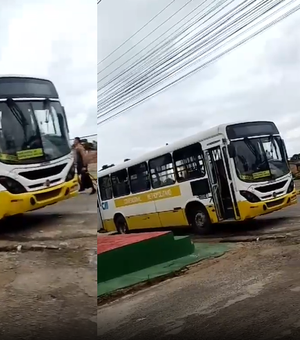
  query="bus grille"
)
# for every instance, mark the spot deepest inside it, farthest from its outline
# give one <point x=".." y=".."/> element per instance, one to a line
<point x="43" y="173"/>
<point x="271" y="187"/>
<point x="47" y="195"/>
<point x="275" y="203"/>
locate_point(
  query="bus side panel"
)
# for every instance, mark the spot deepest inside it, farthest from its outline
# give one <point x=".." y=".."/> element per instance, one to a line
<point x="107" y="210"/>
<point x="139" y="211"/>
<point x="170" y="204"/>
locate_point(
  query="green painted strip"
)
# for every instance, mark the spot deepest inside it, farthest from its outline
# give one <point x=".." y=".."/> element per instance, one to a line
<point x="202" y="251"/>
<point x="141" y="255"/>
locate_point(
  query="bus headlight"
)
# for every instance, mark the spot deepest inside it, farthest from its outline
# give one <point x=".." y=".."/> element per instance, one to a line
<point x="291" y="186"/>
<point x="249" y="196"/>
<point x="12" y="185"/>
<point x="71" y="173"/>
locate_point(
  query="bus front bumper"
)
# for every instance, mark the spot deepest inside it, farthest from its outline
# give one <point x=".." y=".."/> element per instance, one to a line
<point x="250" y="210"/>
<point x="13" y="204"/>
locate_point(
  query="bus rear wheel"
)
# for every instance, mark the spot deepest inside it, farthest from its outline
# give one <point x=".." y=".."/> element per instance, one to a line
<point x="201" y="221"/>
<point x="121" y="225"/>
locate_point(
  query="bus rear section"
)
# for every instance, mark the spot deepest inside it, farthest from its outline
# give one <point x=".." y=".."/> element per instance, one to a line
<point x="36" y="164"/>
<point x="228" y="174"/>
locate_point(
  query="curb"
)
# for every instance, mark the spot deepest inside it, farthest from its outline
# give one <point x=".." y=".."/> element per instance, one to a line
<point x="255" y="238"/>
<point x="35" y="247"/>
<point x="110" y="297"/>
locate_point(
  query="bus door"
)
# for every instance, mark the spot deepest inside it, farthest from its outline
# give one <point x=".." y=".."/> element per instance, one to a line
<point x="217" y="165"/>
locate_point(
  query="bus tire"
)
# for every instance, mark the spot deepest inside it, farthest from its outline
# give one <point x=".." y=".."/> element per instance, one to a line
<point x="121" y="225"/>
<point x="200" y="221"/>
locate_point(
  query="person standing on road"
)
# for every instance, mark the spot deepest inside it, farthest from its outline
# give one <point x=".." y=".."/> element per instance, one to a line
<point x="82" y="167"/>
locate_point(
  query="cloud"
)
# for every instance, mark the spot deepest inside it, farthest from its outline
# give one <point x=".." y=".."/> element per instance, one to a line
<point x="259" y="80"/>
<point x="56" y="40"/>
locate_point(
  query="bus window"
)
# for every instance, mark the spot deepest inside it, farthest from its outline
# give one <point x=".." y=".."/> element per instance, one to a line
<point x="139" y="178"/>
<point x="189" y="162"/>
<point x="162" y="171"/>
<point x="105" y="188"/>
<point x="120" y="183"/>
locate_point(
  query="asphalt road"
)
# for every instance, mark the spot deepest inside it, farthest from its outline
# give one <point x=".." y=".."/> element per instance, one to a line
<point x="48" y="285"/>
<point x="280" y="223"/>
<point x="251" y="292"/>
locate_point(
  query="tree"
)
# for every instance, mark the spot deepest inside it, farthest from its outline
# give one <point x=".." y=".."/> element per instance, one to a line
<point x="295" y="157"/>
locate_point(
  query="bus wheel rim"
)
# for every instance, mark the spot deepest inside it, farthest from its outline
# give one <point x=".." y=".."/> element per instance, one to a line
<point x="200" y="219"/>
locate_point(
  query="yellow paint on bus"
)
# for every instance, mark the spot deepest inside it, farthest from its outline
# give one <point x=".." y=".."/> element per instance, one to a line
<point x="154" y="195"/>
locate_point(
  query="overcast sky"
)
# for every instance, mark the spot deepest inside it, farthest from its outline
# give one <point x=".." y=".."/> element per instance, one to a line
<point x="55" y="39"/>
<point x="259" y="80"/>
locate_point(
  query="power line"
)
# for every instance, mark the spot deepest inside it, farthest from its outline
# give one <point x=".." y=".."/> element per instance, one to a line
<point x="145" y="79"/>
<point x="129" y="68"/>
<point x="185" y="53"/>
<point x="272" y="23"/>
<point x="163" y="45"/>
<point x="156" y="68"/>
<point x="157" y="27"/>
<point x="138" y="31"/>
<point x="98" y="2"/>
<point x="87" y="136"/>
<point x="183" y="57"/>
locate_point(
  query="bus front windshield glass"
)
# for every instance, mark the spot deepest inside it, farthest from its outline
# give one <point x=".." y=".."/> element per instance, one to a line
<point x="260" y="159"/>
<point x="32" y="132"/>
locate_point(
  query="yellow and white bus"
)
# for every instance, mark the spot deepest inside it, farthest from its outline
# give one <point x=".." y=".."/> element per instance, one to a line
<point x="36" y="163"/>
<point x="232" y="172"/>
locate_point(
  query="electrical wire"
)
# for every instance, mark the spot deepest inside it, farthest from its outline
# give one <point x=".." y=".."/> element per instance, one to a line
<point x="160" y="48"/>
<point x="125" y="95"/>
<point x="157" y="27"/>
<point x="86" y="136"/>
<point x="200" y="39"/>
<point x="138" y="31"/>
<point x="157" y="46"/>
<point x="167" y="85"/>
<point x="183" y="57"/>
<point x="251" y="36"/>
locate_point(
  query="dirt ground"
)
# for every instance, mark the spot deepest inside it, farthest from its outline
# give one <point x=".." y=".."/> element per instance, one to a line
<point x="48" y="272"/>
<point x="251" y="292"/>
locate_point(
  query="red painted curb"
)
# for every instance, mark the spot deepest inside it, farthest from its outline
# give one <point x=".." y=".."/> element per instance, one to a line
<point x="108" y="243"/>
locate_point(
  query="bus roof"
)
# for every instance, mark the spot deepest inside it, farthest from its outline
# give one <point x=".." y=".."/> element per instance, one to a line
<point x="22" y="76"/>
<point x="17" y="86"/>
<point x="198" y="137"/>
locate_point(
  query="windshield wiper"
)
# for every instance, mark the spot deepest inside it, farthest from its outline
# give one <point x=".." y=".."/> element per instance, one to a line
<point x="251" y="147"/>
<point x="17" y="112"/>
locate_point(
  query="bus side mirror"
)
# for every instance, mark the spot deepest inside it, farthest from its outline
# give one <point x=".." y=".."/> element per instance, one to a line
<point x="231" y="151"/>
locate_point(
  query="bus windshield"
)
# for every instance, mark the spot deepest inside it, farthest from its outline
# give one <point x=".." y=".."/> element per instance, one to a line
<point x="32" y="131"/>
<point x="260" y="159"/>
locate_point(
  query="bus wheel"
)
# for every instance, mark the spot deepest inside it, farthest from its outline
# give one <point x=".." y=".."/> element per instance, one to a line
<point x="121" y="225"/>
<point x="201" y="222"/>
